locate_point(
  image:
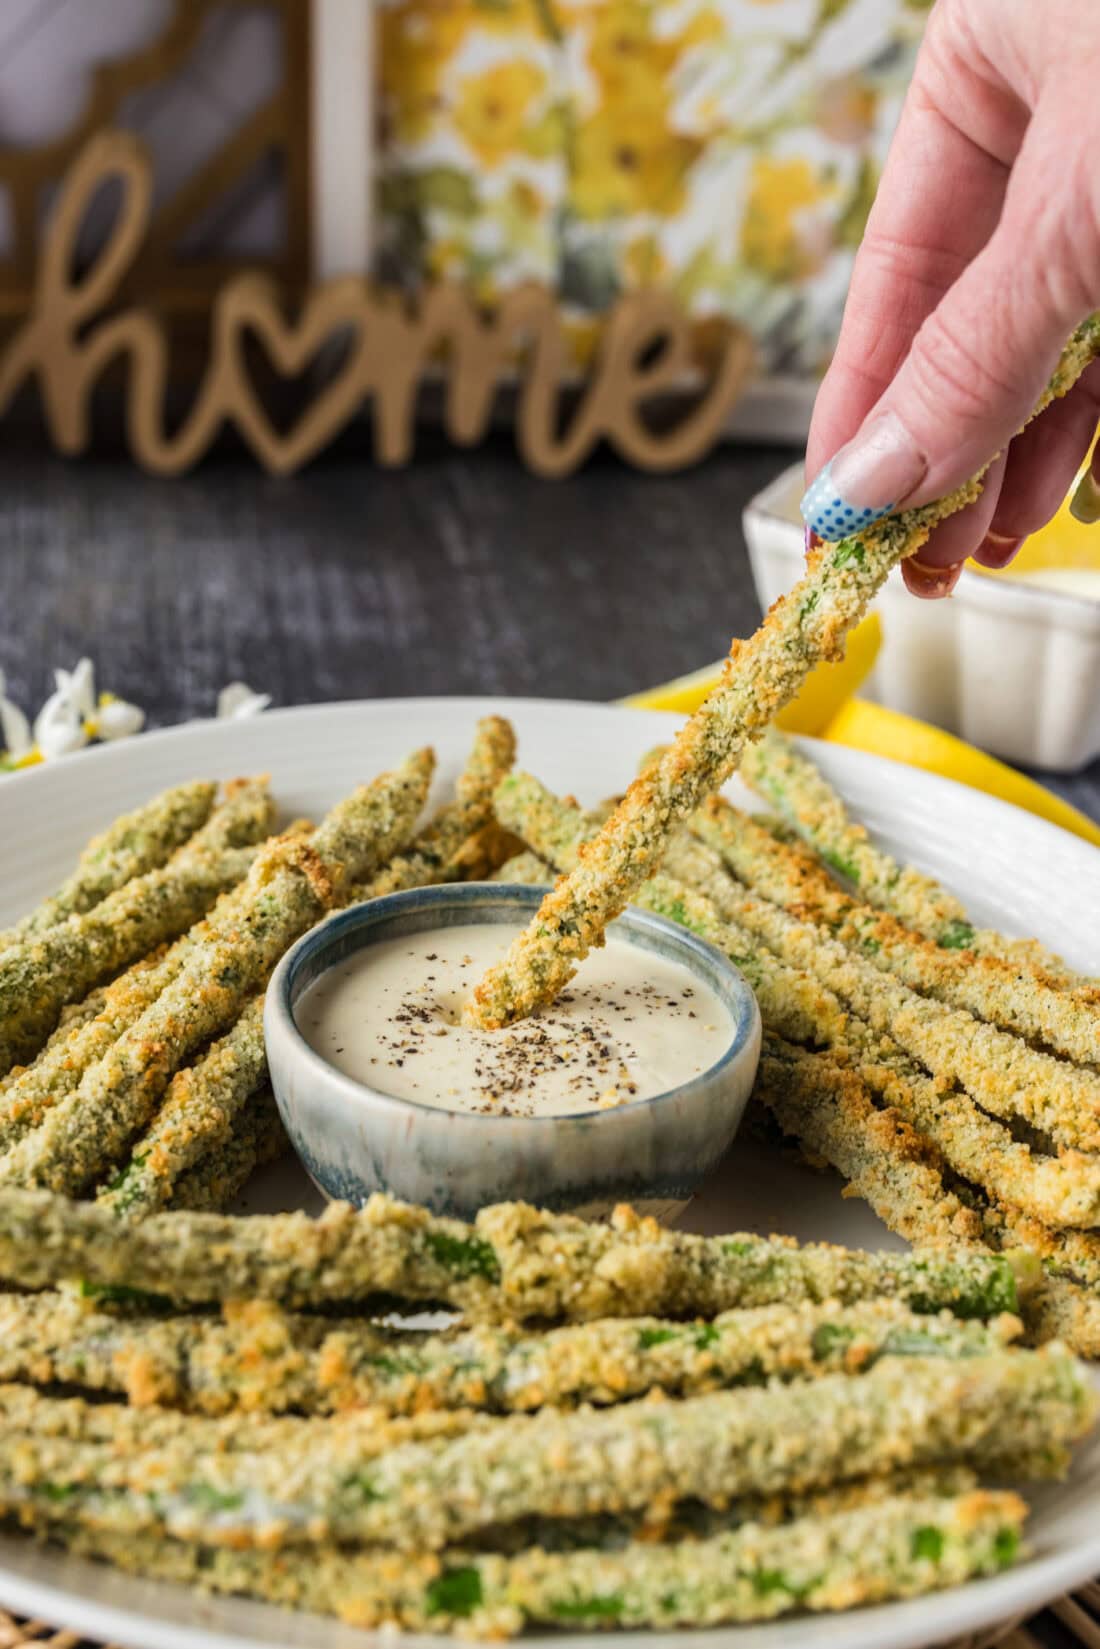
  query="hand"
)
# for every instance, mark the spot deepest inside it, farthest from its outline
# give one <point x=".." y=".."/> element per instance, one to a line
<point x="981" y="255"/>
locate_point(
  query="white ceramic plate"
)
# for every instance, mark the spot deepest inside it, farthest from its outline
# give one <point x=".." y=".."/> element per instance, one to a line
<point x="1012" y="869"/>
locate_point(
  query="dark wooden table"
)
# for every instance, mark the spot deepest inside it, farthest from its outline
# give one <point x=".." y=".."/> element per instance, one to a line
<point x="462" y="574"/>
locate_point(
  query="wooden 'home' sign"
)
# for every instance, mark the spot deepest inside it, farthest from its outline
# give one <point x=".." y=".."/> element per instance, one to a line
<point x="78" y="327"/>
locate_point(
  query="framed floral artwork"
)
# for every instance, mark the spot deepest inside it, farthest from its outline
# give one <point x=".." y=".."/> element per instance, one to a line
<point x="724" y="150"/>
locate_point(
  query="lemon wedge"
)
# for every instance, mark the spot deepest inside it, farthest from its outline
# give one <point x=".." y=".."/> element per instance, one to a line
<point x="825" y="690"/>
<point x="882" y="732"/>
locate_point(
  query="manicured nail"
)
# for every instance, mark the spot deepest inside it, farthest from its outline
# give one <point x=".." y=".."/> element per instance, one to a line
<point x="1084" y="506"/>
<point x="931" y="583"/>
<point x="865" y="480"/>
<point x="996" y="550"/>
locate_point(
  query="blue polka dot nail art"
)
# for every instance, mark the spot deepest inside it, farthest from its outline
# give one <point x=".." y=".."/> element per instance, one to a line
<point x="830" y="516"/>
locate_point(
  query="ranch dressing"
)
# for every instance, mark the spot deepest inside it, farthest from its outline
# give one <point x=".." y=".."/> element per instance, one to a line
<point x="628" y="1026"/>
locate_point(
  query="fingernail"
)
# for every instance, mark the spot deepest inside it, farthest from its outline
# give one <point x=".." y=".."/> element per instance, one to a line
<point x="996" y="550"/>
<point x="1084" y="506"/>
<point x="932" y="583"/>
<point x="865" y="480"/>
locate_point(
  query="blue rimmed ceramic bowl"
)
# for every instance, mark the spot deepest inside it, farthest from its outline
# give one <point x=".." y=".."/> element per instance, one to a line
<point x="354" y="1139"/>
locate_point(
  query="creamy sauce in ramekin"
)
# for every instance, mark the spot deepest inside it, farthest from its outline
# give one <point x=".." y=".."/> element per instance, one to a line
<point x="629" y="1026"/>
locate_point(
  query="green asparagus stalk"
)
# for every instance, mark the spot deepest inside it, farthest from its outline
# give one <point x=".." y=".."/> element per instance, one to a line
<point x="990" y="987"/>
<point x="71" y="1020"/>
<point x="899" y="1173"/>
<point x="62" y="962"/>
<point x="897" y="1548"/>
<point x="432" y="856"/>
<point x="525" y="868"/>
<point x="1063" y="1190"/>
<point x="761" y="675"/>
<point x="514" y="1263"/>
<point x="197" y="1115"/>
<point x="222" y="1172"/>
<point x="244" y="817"/>
<point x="135" y="844"/>
<point x="291" y="884"/>
<point x="40" y="975"/>
<point x="1001" y="1074"/>
<point x="80" y="1044"/>
<point x="261" y="1359"/>
<point x="333" y="1484"/>
<point x="830" y="1111"/>
<point x="787" y="779"/>
<point x="62" y="1424"/>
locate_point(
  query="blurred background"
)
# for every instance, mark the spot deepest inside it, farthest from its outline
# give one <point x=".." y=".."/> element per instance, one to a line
<point x="719" y="154"/>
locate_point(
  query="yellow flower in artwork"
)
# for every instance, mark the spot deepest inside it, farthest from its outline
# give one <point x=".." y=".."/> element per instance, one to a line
<point x="417" y="39"/>
<point x="772" y="239"/>
<point x="626" y="161"/>
<point x="628" y="58"/>
<point x="492" y="108"/>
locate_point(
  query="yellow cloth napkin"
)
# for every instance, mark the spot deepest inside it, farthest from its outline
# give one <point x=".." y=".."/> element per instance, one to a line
<point x="827" y="709"/>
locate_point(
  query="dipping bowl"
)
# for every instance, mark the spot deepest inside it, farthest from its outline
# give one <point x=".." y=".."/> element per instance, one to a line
<point x="354" y="1139"/>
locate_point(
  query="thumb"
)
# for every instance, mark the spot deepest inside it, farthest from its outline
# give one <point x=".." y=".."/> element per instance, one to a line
<point x="980" y="360"/>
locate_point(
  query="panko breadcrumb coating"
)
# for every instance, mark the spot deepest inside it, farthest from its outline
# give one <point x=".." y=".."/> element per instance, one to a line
<point x="898" y="1547"/>
<point x="514" y="1263"/>
<point x="292" y="884"/>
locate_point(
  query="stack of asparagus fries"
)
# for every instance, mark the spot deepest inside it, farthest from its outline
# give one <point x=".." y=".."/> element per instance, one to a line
<point x="950" y="1074"/>
<point x="628" y="1426"/>
<point x="624" y="1425"/>
<point x="133" y="998"/>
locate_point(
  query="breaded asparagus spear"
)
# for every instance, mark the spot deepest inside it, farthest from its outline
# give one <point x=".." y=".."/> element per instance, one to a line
<point x="761" y="675"/>
<point x="72" y="1019"/>
<point x="77" y="1046"/>
<point x="1002" y="1074"/>
<point x="137" y="842"/>
<point x="779" y="771"/>
<point x="525" y="868"/>
<point x="218" y="1177"/>
<point x="197" y="1114"/>
<point x="38" y="976"/>
<point x="900" y="1174"/>
<point x="991" y="988"/>
<point x="829" y="1110"/>
<point x="44" y="971"/>
<point x="333" y="1484"/>
<point x="260" y="1358"/>
<point x="131" y="1432"/>
<point x="433" y="853"/>
<point x="514" y="1262"/>
<point x="291" y="884"/>
<point x="1064" y="1190"/>
<point x="244" y="817"/>
<point x="899" y="1547"/>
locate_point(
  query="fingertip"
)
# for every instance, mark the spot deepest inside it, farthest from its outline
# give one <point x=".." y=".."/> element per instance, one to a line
<point x="996" y="551"/>
<point x="930" y="583"/>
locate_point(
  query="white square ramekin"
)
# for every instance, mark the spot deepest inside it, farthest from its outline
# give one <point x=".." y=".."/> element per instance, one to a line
<point x="1004" y="664"/>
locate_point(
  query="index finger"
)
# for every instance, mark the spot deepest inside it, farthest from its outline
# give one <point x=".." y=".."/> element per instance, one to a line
<point x="937" y="204"/>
